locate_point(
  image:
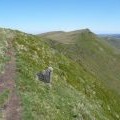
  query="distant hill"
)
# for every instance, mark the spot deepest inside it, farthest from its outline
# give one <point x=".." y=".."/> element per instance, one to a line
<point x="91" y="51"/>
<point x="110" y="35"/>
<point x="65" y="37"/>
<point x="113" y="39"/>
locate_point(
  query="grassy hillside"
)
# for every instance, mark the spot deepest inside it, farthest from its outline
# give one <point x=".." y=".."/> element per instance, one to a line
<point x="65" y="37"/>
<point x="93" y="53"/>
<point x="74" y="93"/>
<point x="4" y="36"/>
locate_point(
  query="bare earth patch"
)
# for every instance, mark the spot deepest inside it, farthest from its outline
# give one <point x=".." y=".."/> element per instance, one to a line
<point x="11" y="108"/>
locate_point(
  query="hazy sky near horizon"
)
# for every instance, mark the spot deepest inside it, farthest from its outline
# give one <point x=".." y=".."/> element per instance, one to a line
<point x="36" y="16"/>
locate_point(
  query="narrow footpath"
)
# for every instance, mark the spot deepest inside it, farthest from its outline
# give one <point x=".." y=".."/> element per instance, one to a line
<point x="11" y="109"/>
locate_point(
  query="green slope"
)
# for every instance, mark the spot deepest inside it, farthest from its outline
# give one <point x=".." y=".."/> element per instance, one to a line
<point x="74" y="93"/>
<point x="94" y="53"/>
<point x="65" y="37"/>
<point x="4" y="36"/>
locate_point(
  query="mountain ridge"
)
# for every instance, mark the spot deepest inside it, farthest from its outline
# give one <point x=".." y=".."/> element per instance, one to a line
<point x="75" y="92"/>
<point x="88" y="48"/>
<point x="65" y="37"/>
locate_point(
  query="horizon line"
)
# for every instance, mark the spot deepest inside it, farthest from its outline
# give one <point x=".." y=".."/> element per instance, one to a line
<point x="54" y="30"/>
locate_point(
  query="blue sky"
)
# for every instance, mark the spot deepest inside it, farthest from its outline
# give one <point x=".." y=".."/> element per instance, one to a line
<point x="36" y="16"/>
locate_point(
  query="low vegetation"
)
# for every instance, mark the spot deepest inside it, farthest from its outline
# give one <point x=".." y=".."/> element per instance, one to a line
<point x="3" y="98"/>
<point x="3" y="48"/>
<point x="93" y="53"/>
<point x="74" y="93"/>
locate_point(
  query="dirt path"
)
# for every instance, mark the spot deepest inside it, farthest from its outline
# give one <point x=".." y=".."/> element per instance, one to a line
<point x="11" y="109"/>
